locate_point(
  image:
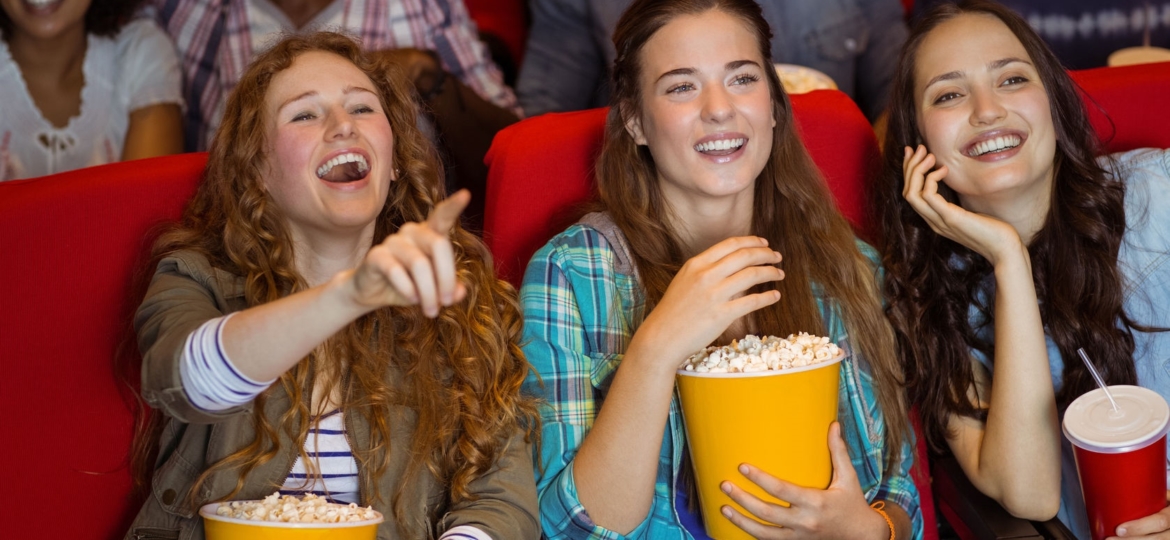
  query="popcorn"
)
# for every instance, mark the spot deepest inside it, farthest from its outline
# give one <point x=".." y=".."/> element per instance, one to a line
<point x="753" y="354"/>
<point x="289" y="509"/>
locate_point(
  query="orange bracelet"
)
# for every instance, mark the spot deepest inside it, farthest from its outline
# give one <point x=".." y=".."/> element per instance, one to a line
<point x="877" y="507"/>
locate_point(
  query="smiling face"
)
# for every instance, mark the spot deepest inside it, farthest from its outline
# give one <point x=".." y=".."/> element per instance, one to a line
<point x="46" y="19"/>
<point x="706" y="111"/>
<point x="330" y="147"/>
<point x="984" y="113"/>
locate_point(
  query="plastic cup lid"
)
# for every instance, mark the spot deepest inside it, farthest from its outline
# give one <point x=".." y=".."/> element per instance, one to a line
<point x="1142" y="418"/>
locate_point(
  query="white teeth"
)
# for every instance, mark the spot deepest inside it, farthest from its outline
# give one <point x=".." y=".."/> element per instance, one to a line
<point x="721" y="144"/>
<point x="363" y="166"/>
<point x="995" y="145"/>
<point x="39" y="3"/>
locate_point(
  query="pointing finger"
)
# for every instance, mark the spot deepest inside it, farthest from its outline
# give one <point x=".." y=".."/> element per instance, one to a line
<point x="442" y="219"/>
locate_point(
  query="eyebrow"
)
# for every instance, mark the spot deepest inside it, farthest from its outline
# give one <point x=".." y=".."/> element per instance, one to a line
<point x="730" y="66"/>
<point x="348" y="90"/>
<point x="997" y="64"/>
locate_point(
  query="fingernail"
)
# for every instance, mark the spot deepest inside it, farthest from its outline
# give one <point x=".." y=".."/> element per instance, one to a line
<point x="777" y="254"/>
<point x="446" y="299"/>
<point x="1121" y="531"/>
<point x="743" y="469"/>
<point x="726" y="511"/>
<point x="725" y="487"/>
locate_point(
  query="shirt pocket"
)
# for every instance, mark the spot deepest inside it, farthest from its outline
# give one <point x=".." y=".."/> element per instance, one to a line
<point x="842" y="37"/>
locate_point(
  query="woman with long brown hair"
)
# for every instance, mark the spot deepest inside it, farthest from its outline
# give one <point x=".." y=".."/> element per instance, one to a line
<point x="319" y="321"/>
<point x="1009" y="246"/>
<point x="703" y="184"/>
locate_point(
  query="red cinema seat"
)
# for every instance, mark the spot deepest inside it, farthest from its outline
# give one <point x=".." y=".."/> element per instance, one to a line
<point x="72" y="244"/>
<point x="541" y="170"/>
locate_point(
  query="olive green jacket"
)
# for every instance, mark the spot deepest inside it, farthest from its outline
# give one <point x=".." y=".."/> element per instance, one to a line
<point x="187" y="292"/>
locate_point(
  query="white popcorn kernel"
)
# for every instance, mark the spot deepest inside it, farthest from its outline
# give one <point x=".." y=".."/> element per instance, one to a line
<point x="753" y="354"/>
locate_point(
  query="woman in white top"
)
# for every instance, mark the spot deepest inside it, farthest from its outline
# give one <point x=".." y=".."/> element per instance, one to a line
<point x="83" y="85"/>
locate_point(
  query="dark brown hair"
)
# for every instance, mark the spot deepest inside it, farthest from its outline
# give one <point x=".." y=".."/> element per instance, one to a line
<point x="793" y="209"/>
<point x="932" y="282"/>
<point x="461" y="372"/>
<point x="103" y="18"/>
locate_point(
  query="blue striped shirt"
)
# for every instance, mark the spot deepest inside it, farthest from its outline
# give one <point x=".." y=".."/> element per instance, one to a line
<point x="212" y="383"/>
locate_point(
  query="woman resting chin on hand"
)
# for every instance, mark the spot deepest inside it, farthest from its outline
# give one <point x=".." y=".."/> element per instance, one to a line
<point x="1009" y="246"/>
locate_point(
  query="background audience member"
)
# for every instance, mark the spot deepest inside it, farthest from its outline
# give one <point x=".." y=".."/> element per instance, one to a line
<point x="1083" y="33"/>
<point x="429" y="39"/>
<point x="83" y="85"/>
<point x="319" y="312"/>
<point x="566" y="66"/>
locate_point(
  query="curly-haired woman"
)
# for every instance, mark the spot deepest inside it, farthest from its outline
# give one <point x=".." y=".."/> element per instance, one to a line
<point x="319" y="322"/>
<point x="84" y="85"/>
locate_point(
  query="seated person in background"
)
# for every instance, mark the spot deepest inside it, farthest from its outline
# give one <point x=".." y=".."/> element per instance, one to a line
<point x="1008" y="246"/>
<point x="317" y="296"/>
<point x="84" y="85"/>
<point x="429" y="39"/>
<point x="855" y="42"/>
<point x="686" y="253"/>
<point x="1083" y="33"/>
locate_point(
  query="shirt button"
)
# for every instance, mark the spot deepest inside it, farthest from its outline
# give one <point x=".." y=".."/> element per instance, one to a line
<point x="168" y="497"/>
<point x="850" y="44"/>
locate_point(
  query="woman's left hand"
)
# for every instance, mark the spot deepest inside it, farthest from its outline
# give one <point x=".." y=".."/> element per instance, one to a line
<point x="840" y="511"/>
<point x="1156" y="526"/>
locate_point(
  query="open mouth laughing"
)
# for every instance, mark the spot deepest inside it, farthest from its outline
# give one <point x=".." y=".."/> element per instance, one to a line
<point x="347" y="167"/>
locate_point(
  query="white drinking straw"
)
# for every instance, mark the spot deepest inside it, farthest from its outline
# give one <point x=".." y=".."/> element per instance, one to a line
<point x="1097" y="377"/>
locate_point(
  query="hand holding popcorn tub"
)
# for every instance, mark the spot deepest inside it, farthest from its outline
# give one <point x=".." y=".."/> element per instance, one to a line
<point x="764" y="401"/>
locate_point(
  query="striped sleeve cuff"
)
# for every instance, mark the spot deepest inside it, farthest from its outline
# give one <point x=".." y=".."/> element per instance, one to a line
<point x="210" y="380"/>
<point x="465" y="532"/>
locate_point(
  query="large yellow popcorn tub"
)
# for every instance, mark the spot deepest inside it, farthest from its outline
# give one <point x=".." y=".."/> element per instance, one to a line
<point x="217" y="527"/>
<point x="776" y="420"/>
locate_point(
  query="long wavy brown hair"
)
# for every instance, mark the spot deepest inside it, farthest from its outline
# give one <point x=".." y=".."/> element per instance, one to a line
<point x="932" y="282"/>
<point x="793" y="209"/>
<point x="460" y="372"/>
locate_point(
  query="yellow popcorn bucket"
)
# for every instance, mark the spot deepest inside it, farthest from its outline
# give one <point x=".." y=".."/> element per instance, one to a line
<point x="776" y="420"/>
<point x="218" y="527"/>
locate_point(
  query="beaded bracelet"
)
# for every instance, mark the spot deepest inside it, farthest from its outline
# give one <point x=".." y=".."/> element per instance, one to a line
<point x="878" y="507"/>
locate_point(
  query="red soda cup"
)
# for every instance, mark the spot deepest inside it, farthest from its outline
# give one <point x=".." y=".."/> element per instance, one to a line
<point x="1120" y="454"/>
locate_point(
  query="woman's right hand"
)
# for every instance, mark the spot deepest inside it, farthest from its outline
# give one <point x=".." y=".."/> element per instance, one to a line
<point x="708" y="295"/>
<point x="415" y="265"/>
<point x="980" y="233"/>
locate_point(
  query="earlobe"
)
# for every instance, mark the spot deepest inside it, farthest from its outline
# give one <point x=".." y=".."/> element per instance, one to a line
<point x="634" y="128"/>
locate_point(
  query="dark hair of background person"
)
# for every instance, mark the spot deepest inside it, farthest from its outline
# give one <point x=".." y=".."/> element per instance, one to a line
<point x="931" y="281"/>
<point x="462" y="370"/>
<point x="103" y="18"/>
<point x="793" y="209"/>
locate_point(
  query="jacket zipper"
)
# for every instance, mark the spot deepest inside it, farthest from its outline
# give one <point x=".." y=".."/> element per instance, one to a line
<point x="150" y="533"/>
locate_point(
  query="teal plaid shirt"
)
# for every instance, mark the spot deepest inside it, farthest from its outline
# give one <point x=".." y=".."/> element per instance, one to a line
<point x="582" y="303"/>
